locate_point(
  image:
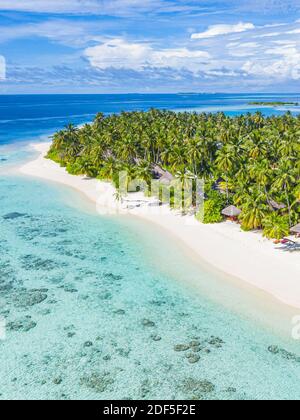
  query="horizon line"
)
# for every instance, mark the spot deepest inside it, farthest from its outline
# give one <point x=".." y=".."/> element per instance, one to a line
<point x="150" y="93"/>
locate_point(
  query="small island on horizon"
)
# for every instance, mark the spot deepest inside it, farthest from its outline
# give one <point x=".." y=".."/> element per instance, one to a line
<point x="274" y="103"/>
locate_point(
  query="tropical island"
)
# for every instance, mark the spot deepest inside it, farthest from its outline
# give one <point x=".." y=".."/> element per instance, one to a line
<point x="250" y="163"/>
<point x="275" y="104"/>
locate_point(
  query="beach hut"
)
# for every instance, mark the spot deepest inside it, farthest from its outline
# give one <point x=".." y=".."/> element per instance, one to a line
<point x="296" y="230"/>
<point x="167" y="178"/>
<point x="231" y="213"/>
<point x="163" y="176"/>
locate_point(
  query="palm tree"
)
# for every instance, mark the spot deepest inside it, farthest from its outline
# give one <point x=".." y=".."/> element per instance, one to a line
<point x="254" y="209"/>
<point x="253" y="215"/>
<point x="285" y="179"/>
<point x="260" y="172"/>
<point x="275" y="226"/>
<point x="109" y="169"/>
<point x="225" y="164"/>
<point x="144" y="172"/>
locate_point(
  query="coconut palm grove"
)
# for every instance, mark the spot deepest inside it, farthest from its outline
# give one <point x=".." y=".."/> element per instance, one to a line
<point x="250" y="161"/>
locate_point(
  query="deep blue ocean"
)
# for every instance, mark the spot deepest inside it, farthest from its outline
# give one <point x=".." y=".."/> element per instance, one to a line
<point x="101" y="307"/>
<point x="32" y="115"/>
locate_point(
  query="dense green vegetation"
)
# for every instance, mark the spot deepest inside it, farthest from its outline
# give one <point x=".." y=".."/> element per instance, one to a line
<point x="249" y="161"/>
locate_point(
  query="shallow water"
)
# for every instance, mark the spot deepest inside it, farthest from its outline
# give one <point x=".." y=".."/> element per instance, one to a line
<point x="95" y="307"/>
<point x="76" y="293"/>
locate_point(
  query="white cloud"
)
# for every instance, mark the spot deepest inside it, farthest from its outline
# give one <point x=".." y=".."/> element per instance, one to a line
<point x="120" y="54"/>
<point x="286" y="43"/>
<point x="285" y="66"/>
<point x="245" y="49"/>
<point x="58" y="6"/>
<point x="2" y="68"/>
<point x="100" y="7"/>
<point x="59" y="30"/>
<point x="295" y="31"/>
<point x="268" y="35"/>
<point x="222" y="73"/>
<point x="50" y="6"/>
<point x="217" y="30"/>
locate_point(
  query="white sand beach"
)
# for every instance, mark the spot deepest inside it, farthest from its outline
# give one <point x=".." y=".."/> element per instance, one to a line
<point x="245" y="255"/>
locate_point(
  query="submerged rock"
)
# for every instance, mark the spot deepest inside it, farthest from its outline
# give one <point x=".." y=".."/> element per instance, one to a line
<point x="6" y="286"/>
<point x="113" y="277"/>
<point x="14" y="215"/>
<point x="274" y="349"/>
<point x="195" y="343"/>
<point x="31" y="262"/>
<point x="27" y="298"/>
<point x="70" y="289"/>
<point x="156" y="337"/>
<point x="119" y="312"/>
<point x="7" y="277"/>
<point x="98" y="382"/>
<point x="193" y="358"/>
<point x="145" y="388"/>
<point x="88" y="344"/>
<point x="123" y="352"/>
<point x="105" y="295"/>
<point x="22" y="325"/>
<point x="216" y="342"/>
<point x="196" y="349"/>
<point x="182" y="347"/>
<point x="148" y="323"/>
<point x="194" y="385"/>
<point x="284" y="353"/>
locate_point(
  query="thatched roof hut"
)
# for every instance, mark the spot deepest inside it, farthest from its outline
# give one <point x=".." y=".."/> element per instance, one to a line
<point x="167" y="177"/>
<point x="158" y="171"/>
<point x="276" y="206"/>
<point x="296" y="229"/>
<point x="163" y="176"/>
<point x="231" y="211"/>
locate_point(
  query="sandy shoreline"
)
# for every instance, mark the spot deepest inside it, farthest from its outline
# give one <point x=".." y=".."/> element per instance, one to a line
<point x="247" y="256"/>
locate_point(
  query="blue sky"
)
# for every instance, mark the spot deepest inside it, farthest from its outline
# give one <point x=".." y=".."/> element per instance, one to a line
<point x="100" y="46"/>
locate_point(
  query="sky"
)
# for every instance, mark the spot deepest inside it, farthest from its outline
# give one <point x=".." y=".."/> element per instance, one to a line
<point x="145" y="46"/>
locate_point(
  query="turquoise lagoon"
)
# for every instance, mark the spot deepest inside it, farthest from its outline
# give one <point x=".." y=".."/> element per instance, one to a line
<point x="97" y="307"/>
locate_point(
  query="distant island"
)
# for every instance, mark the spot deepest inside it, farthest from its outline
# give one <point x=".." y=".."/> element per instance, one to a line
<point x="278" y="103"/>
